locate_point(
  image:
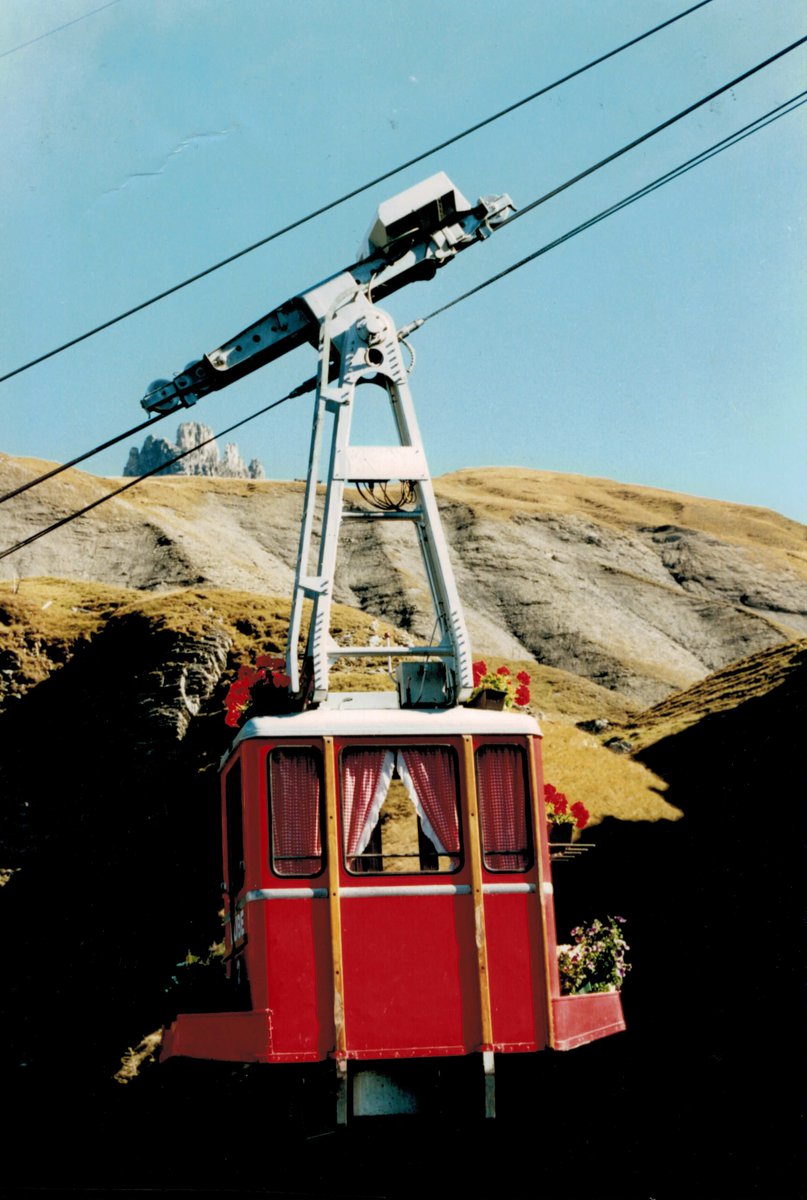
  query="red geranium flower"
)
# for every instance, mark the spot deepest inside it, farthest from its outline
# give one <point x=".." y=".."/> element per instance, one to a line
<point x="523" y="678"/>
<point x="271" y="662"/>
<point x="269" y="667"/>
<point x="503" y="670"/>
<point x="480" y="669"/>
<point x="250" y="675"/>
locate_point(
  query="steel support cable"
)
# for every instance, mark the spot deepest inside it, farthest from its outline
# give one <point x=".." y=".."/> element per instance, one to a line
<point x="739" y="135"/>
<point x="24" y="487"/>
<point x="41" y="37"/>
<point x="154" y="471"/>
<point x="318" y="212"/>
<point x="679" y="116"/>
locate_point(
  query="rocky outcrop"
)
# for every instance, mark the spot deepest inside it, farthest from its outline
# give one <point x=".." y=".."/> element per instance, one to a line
<point x="169" y="675"/>
<point x="207" y="460"/>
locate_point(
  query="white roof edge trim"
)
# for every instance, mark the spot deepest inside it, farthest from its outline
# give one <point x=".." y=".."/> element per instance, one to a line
<point x="391" y="723"/>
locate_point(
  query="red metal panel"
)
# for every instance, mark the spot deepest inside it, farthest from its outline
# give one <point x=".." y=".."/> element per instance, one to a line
<point x="410" y="961"/>
<point x="249" y="946"/>
<point x="516" y="969"/>
<point x="228" y="1037"/>
<point x="546" y="895"/>
<point x="286" y="939"/>
<point x="515" y="938"/>
<point x="410" y="983"/>
<point x="298" y="974"/>
<point x="256" y="815"/>
<point x="581" y="1019"/>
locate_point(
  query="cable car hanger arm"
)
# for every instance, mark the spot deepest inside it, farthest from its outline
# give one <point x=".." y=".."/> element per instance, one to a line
<point x="414" y="234"/>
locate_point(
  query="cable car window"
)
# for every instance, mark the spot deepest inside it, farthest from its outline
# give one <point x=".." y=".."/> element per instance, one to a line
<point x="295" y="804"/>
<point x="400" y="811"/>
<point x="501" y="784"/>
<point x="235" y="829"/>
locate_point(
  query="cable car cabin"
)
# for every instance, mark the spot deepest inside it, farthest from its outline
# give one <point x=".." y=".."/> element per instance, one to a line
<point x="388" y="896"/>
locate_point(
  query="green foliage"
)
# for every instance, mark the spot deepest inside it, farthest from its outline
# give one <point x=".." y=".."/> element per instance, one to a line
<point x="595" y="961"/>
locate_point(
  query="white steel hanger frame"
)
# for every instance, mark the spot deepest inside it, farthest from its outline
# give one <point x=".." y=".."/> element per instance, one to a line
<point x="367" y="345"/>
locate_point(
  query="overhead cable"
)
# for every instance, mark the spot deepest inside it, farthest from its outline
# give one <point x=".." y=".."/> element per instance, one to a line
<point x="154" y="471"/>
<point x="58" y="29"/>
<point x="685" y="112"/>
<point x="24" y="487"/>
<point x="529" y="208"/>
<point x="318" y="212"/>
<point x="739" y="135"/>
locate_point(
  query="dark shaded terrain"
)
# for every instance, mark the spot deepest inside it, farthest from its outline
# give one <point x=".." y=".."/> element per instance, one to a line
<point x="119" y="840"/>
<point x="709" y="1078"/>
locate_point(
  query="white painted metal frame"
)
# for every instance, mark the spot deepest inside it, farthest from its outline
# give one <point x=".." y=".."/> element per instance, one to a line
<point x="366" y="342"/>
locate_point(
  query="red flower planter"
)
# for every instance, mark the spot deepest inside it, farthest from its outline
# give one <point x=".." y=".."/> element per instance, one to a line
<point x="581" y="1019"/>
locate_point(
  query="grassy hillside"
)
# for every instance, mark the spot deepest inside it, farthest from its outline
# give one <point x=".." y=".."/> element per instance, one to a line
<point x="503" y="491"/>
<point x="44" y="622"/>
<point x="743" y="681"/>
<point x="639" y="591"/>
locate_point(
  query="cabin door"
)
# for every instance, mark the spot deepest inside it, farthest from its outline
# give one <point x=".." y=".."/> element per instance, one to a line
<point x="405" y="907"/>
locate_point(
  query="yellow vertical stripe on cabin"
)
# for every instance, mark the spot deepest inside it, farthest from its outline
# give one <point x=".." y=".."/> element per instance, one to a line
<point x="539" y="824"/>
<point x="334" y="901"/>
<point x="475" y="855"/>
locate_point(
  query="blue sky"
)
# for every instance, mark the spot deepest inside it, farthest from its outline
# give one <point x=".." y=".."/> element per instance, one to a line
<point x="665" y="347"/>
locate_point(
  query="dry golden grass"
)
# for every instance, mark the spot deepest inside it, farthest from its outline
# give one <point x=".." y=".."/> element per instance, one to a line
<point x="497" y="492"/>
<point x="577" y="763"/>
<point x="136" y="1057"/>
<point x="64" y="608"/>
<point x="609" y="784"/>
<point x="741" y="681"/>
<point x="502" y="492"/>
<point x="59" y="607"/>
<point x="41" y="619"/>
<point x="562" y="694"/>
<point x="184" y="495"/>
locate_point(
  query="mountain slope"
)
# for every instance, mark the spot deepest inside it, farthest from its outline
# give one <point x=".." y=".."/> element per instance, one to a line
<point x="166" y="661"/>
<point x="640" y="591"/>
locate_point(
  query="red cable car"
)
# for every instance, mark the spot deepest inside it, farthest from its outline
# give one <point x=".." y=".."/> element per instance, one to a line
<point x="387" y="897"/>
<point x="387" y="877"/>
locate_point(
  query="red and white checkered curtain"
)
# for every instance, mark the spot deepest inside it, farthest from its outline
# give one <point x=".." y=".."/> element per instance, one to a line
<point x="366" y="776"/>
<point x="503" y="807"/>
<point x="295" y="795"/>
<point x="430" y="780"/>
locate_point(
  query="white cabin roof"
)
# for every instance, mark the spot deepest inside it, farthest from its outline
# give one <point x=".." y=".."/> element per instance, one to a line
<point x="362" y="714"/>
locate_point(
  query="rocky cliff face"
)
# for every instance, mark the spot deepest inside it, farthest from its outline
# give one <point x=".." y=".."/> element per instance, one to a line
<point x="640" y="591"/>
<point x="207" y="460"/>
